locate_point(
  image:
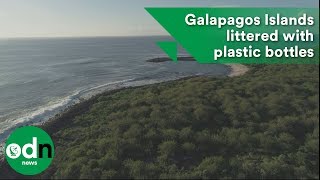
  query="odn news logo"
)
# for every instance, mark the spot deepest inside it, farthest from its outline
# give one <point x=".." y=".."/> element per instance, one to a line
<point x="29" y="150"/>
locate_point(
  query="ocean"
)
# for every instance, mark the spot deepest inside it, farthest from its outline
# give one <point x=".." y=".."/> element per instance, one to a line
<point x="41" y="77"/>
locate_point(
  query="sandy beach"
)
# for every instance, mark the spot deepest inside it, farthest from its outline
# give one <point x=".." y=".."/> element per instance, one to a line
<point x="237" y="70"/>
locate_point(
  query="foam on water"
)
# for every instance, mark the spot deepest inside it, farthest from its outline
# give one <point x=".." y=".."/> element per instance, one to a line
<point x="43" y="113"/>
<point x="36" y="116"/>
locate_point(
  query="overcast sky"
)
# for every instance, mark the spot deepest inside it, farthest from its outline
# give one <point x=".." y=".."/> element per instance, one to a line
<point x="60" y="18"/>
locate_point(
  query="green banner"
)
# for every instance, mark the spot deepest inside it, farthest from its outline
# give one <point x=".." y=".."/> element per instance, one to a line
<point x="242" y="35"/>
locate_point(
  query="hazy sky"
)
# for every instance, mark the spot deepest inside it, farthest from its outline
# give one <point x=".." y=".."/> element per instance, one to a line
<point x="59" y="18"/>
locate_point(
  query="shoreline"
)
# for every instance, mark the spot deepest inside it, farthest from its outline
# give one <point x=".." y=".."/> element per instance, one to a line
<point x="59" y="120"/>
<point x="235" y="70"/>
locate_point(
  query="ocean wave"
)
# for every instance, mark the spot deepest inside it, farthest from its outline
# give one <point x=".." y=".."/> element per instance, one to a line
<point x="49" y="110"/>
<point x="36" y="116"/>
<point x="72" y="62"/>
<point x="43" y="113"/>
<point x="108" y="84"/>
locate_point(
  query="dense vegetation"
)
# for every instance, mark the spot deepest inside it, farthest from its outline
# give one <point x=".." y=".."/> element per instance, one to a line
<point x="264" y="124"/>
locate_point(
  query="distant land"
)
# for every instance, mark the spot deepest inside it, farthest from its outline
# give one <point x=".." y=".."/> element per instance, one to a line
<point x="164" y="59"/>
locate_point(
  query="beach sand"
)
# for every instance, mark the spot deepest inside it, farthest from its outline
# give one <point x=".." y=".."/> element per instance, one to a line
<point x="237" y="70"/>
